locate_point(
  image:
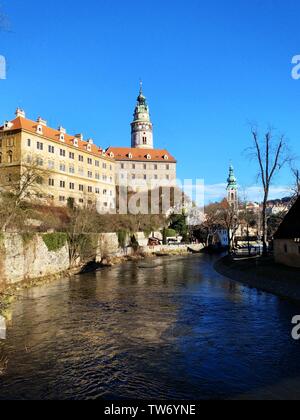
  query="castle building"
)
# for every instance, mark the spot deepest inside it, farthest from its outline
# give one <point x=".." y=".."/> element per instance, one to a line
<point x="73" y="168"/>
<point x="232" y="190"/>
<point x="142" y="165"/>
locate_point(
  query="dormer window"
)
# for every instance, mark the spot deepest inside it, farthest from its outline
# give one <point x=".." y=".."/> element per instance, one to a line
<point x="75" y="142"/>
<point x="62" y="137"/>
<point x="8" y="125"/>
<point x="88" y="147"/>
<point x="130" y="156"/>
<point x="111" y="155"/>
<point x="39" y="129"/>
<point x="166" y="157"/>
<point x="149" y="157"/>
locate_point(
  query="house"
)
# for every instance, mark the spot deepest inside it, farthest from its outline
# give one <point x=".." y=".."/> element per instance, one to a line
<point x="287" y="239"/>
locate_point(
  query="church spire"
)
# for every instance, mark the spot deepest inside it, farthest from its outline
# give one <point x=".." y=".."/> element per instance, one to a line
<point x="232" y="189"/>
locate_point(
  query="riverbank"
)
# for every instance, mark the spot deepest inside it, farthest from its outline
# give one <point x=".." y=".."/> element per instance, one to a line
<point x="263" y="274"/>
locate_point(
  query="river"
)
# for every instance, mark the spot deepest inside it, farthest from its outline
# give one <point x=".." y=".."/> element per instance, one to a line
<point x="174" y="331"/>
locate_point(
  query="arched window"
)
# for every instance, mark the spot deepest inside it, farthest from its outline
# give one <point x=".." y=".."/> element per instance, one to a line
<point x="10" y="156"/>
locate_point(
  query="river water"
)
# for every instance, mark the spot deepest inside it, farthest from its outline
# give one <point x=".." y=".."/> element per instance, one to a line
<point x="175" y="331"/>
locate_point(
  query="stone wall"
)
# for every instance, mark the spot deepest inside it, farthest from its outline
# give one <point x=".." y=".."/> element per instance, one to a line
<point x="26" y="258"/>
<point x="287" y="252"/>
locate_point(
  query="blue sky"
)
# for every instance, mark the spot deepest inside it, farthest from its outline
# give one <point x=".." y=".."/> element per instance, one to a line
<point x="209" y="68"/>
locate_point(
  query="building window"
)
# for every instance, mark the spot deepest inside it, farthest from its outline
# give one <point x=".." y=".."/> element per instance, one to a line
<point x="72" y="186"/>
<point x="10" y="157"/>
<point x="97" y="163"/>
<point x="155" y="167"/>
<point x="104" y="192"/>
<point x="51" y="149"/>
<point x="40" y="162"/>
<point x="104" y="166"/>
<point x="51" y="164"/>
<point x="97" y="176"/>
<point x="80" y="158"/>
<point x="72" y="170"/>
<point x="71" y="155"/>
<point x="167" y="167"/>
<point x="51" y="182"/>
<point x="39" y="145"/>
<point x="122" y="166"/>
<point x="28" y="143"/>
<point x="97" y="190"/>
<point x="62" y="167"/>
<point x="62" y="198"/>
<point x="145" y="166"/>
<point x="81" y="188"/>
<point x="62" y="184"/>
<point x="144" y="140"/>
<point x="62" y="153"/>
<point x="10" y="142"/>
<point x="81" y="201"/>
<point x="90" y="174"/>
<point x="133" y="166"/>
<point x="145" y="177"/>
<point x="90" y="189"/>
<point x="90" y="161"/>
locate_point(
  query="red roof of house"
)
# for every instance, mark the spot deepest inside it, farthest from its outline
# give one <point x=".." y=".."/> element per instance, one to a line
<point x="124" y="153"/>
<point x="21" y="123"/>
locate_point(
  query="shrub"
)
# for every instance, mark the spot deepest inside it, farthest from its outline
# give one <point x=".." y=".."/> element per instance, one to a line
<point x="170" y="233"/>
<point x="122" y="236"/>
<point x="55" y="241"/>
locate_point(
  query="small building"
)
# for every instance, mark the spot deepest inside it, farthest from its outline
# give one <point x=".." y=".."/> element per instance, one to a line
<point x="287" y="239"/>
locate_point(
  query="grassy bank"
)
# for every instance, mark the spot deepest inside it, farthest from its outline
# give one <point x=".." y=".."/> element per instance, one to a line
<point x="263" y="274"/>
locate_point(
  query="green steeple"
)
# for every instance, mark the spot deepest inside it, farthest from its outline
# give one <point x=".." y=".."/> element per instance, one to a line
<point x="141" y="112"/>
<point x="232" y="182"/>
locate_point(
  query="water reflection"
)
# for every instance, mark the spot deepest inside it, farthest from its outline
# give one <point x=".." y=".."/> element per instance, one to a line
<point x="174" y="331"/>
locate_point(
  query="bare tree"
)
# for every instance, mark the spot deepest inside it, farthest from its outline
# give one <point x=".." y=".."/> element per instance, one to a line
<point x="22" y="186"/>
<point x="296" y="187"/>
<point x="229" y="218"/>
<point x="271" y="155"/>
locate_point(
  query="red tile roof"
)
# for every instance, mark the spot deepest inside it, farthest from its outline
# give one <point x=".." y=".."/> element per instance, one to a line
<point x="21" y="123"/>
<point x="123" y="153"/>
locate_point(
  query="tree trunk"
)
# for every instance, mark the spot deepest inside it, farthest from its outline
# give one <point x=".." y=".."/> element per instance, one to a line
<point x="265" y="225"/>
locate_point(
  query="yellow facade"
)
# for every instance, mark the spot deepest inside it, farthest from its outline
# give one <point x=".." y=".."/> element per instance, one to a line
<point x="70" y="169"/>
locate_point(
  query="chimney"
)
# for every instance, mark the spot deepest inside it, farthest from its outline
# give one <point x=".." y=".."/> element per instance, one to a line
<point x="20" y="113"/>
<point x="90" y="141"/>
<point x="79" y="136"/>
<point x="62" y="130"/>
<point x="42" y="122"/>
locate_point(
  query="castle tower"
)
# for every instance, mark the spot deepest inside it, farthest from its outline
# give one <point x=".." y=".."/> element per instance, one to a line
<point x="141" y="127"/>
<point x="232" y="190"/>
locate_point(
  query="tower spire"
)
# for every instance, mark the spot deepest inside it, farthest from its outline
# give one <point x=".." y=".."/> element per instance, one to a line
<point x="141" y="127"/>
<point x="232" y="189"/>
<point x="141" y="87"/>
